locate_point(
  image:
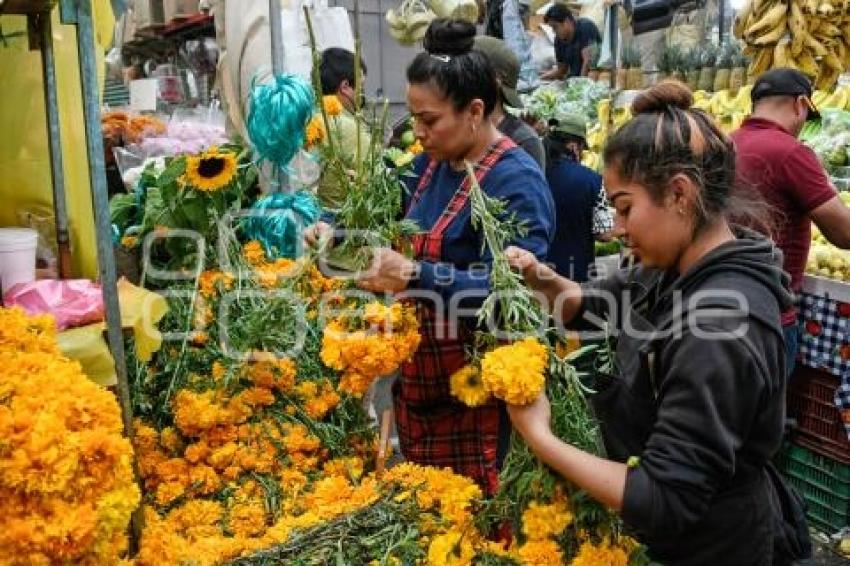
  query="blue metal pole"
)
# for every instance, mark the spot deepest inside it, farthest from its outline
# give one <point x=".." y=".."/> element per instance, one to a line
<point x="57" y="170"/>
<point x="105" y="251"/>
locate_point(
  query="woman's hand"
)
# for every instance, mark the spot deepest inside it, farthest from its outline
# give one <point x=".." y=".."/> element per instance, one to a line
<point x="317" y="234"/>
<point x="532" y="422"/>
<point x="390" y="272"/>
<point x="536" y="274"/>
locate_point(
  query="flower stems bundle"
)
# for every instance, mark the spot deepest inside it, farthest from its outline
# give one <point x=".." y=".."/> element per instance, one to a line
<point x="524" y="481"/>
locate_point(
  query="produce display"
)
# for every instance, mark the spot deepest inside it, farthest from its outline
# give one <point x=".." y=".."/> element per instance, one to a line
<point x="826" y="260"/>
<point x="808" y="35"/>
<point x="578" y="95"/>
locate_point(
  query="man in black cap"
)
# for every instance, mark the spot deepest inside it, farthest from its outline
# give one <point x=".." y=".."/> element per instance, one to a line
<point x="506" y="64"/>
<point x="789" y="177"/>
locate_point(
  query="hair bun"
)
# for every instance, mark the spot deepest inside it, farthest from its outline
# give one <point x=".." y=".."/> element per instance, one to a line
<point x="449" y="37"/>
<point x="666" y="94"/>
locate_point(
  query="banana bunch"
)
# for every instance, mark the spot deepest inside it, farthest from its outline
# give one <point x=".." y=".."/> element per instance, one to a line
<point x="839" y="98"/>
<point x="591" y="160"/>
<point x="810" y="35"/>
<point x="409" y="22"/>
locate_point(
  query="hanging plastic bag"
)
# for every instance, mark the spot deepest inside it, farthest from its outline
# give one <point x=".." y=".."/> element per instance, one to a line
<point x="87" y="346"/>
<point x="607" y="55"/>
<point x="517" y="40"/>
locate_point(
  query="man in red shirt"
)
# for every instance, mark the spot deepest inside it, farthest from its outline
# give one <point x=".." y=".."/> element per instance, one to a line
<point x="789" y="177"/>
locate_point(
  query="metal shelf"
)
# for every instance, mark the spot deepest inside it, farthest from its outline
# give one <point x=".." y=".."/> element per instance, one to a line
<point x="26" y="7"/>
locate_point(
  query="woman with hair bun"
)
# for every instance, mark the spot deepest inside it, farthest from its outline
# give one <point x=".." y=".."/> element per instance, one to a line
<point x="452" y="89"/>
<point x="694" y="412"/>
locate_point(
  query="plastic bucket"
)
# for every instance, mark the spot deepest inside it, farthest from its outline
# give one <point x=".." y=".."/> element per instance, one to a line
<point x="17" y="256"/>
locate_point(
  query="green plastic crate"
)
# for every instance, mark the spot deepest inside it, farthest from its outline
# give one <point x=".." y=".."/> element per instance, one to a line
<point x="822" y="471"/>
<point x="823" y="483"/>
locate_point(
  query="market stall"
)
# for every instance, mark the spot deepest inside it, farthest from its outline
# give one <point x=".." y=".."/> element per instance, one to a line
<point x="243" y="361"/>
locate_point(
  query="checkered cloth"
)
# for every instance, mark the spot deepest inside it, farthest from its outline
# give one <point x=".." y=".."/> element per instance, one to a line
<point x="825" y="343"/>
<point x="434" y="428"/>
<point x="603" y="218"/>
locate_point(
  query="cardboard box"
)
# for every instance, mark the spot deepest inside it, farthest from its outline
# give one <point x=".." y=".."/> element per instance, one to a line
<point x="179" y="9"/>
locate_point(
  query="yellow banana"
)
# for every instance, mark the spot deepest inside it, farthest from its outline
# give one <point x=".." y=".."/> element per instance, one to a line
<point x="772" y="35"/>
<point x="810" y="6"/>
<point x="827" y="29"/>
<point x="816" y="46"/>
<point x="826" y="80"/>
<point x="833" y="62"/>
<point x="818" y="98"/>
<point x="772" y="19"/>
<point x="826" y="9"/>
<point x="807" y="63"/>
<point x="797" y="25"/>
<point x="761" y="62"/>
<point x="741" y="20"/>
<point x="780" y="55"/>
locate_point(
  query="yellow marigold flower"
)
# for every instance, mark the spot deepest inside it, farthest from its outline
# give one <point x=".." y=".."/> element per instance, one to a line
<point x="209" y="282"/>
<point x="170" y="439"/>
<point x="66" y="479"/>
<point x="247" y="519"/>
<point x="129" y="241"/>
<point x="315" y="131"/>
<point x="332" y="105"/>
<point x="254" y="253"/>
<point x="516" y="373"/>
<point x="603" y="554"/>
<point x="211" y="170"/>
<point x="453" y="548"/>
<point x="386" y="338"/>
<point x="540" y="521"/>
<point x="416" y="148"/>
<point x="541" y="553"/>
<point x="466" y="385"/>
<point x="277" y="373"/>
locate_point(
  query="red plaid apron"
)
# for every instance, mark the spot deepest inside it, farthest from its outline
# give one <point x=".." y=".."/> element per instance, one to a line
<point x="434" y="428"/>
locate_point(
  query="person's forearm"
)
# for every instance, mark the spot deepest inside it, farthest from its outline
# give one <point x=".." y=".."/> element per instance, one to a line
<point x="603" y="480"/>
<point x="564" y="297"/>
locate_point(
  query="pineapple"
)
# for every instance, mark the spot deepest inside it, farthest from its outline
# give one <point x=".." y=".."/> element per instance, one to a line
<point x="708" y="60"/>
<point x="724" y="68"/>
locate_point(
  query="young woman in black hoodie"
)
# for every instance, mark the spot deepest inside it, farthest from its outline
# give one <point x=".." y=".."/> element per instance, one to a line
<point x="696" y="405"/>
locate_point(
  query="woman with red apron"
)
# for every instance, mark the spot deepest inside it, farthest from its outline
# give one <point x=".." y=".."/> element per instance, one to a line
<point x="452" y="91"/>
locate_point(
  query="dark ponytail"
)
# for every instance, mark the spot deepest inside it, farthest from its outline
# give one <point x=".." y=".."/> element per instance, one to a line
<point x="668" y="137"/>
<point x="449" y="62"/>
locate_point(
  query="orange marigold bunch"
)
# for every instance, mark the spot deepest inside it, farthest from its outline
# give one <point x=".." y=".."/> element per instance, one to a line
<point x="370" y="346"/>
<point x="66" y="478"/>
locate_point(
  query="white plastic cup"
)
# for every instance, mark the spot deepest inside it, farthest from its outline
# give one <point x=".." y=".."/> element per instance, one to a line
<point x="17" y="256"/>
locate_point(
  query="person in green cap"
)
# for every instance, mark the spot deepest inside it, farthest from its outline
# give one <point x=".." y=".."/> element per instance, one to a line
<point x="581" y="209"/>
<point x="506" y="64"/>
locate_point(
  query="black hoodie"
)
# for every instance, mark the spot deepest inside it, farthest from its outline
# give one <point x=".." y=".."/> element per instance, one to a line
<point x="699" y="398"/>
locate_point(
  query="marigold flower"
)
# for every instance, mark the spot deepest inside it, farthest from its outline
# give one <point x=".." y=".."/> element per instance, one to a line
<point x="540" y="521"/>
<point x="602" y="554"/>
<point x="315" y="131"/>
<point x="332" y="105"/>
<point x="515" y="373"/>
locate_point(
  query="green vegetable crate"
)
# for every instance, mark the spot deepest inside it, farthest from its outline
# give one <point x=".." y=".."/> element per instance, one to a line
<point x="823" y="482"/>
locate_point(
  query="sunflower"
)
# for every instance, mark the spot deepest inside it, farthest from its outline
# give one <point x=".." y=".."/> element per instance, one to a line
<point x="211" y="170"/>
<point x="466" y="385"/>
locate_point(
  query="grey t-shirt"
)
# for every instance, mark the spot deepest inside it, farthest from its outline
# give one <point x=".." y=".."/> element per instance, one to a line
<point x="524" y="136"/>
